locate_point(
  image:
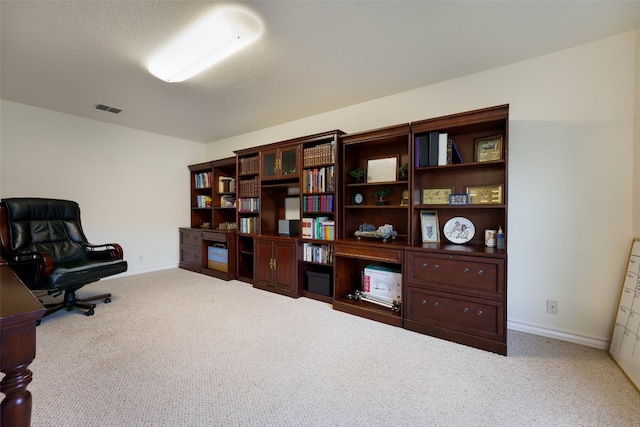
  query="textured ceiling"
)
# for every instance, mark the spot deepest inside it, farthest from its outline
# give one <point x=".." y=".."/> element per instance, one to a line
<point x="314" y="56"/>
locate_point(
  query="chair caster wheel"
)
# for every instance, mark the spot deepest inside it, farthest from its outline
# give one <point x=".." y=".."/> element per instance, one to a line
<point x="107" y="300"/>
<point x="90" y="312"/>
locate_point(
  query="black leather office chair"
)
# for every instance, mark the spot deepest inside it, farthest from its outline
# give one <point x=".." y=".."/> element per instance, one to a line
<point x="43" y="242"/>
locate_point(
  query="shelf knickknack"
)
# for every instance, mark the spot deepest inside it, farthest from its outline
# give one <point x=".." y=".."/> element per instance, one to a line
<point x="357" y="175"/>
<point x="380" y="195"/>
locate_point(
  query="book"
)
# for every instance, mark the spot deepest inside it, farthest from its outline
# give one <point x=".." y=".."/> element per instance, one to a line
<point x="444" y="149"/>
<point x="434" y="141"/>
<point x="422" y="154"/>
<point x="456" y="158"/>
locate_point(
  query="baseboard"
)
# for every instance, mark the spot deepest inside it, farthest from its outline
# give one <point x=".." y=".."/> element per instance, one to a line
<point x="559" y="335"/>
<point x="143" y="270"/>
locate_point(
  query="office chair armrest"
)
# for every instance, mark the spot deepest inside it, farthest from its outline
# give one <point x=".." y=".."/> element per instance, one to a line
<point x="107" y="251"/>
<point x="31" y="267"/>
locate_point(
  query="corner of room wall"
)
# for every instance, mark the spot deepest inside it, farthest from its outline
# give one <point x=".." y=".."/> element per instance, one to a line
<point x="131" y="185"/>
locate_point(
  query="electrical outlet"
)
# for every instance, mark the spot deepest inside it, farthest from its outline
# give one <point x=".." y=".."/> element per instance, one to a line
<point x="552" y="307"/>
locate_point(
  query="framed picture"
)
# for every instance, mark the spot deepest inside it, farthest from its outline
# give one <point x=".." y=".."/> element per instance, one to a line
<point x="489" y="148"/>
<point x="429" y="226"/>
<point x="383" y="169"/>
<point x="459" y="199"/>
<point x="436" y="196"/>
<point x="485" y="195"/>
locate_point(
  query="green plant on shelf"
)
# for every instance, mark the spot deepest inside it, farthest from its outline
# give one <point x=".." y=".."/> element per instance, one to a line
<point x="357" y="174"/>
<point x="380" y="195"/>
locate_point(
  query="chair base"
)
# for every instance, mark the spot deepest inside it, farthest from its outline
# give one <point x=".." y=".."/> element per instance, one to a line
<point x="71" y="300"/>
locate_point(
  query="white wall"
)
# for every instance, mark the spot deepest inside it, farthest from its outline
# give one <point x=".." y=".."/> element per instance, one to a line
<point x="570" y="174"/>
<point x="132" y="186"/>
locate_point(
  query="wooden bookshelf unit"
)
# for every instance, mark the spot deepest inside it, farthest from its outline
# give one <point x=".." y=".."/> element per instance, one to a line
<point x="443" y="278"/>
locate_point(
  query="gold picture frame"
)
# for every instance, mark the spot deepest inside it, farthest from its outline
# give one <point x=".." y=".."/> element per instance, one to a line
<point x="383" y="169"/>
<point x="430" y="226"/>
<point x="436" y="196"/>
<point x="488" y="149"/>
<point x="485" y="195"/>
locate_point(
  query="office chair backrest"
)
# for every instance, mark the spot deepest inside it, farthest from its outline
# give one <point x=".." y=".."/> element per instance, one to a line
<point x="45" y="225"/>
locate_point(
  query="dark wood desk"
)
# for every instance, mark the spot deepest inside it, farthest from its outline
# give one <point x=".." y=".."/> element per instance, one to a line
<point x="19" y="311"/>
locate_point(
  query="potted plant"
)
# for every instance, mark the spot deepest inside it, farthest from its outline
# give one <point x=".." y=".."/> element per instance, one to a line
<point x="380" y="194"/>
<point x="403" y="172"/>
<point x="357" y="174"/>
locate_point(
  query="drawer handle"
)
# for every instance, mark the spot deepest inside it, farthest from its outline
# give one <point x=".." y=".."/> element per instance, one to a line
<point x="480" y="272"/>
<point x="435" y="304"/>
<point x="479" y="312"/>
<point x="424" y="301"/>
<point x="437" y="266"/>
<point x="424" y="265"/>
<point x="466" y="270"/>
<point x="465" y="310"/>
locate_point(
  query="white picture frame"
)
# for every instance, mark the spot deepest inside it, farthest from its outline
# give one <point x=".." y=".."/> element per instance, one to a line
<point x="430" y="226"/>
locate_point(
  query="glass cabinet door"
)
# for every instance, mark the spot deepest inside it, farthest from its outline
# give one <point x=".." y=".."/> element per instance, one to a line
<point x="269" y="164"/>
<point x="289" y="162"/>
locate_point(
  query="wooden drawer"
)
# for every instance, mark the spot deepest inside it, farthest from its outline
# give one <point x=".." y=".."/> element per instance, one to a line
<point x="191" y="254"/>
<point x="371" y="252"/>
<point x="455" y="273"/>
<point x="190" y="237"/>
<point x="212" y="236"/>
<point x="468" y="315"/>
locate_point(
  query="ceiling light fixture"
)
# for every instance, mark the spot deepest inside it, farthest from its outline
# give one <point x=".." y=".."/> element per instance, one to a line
<point x="215" y="37"/>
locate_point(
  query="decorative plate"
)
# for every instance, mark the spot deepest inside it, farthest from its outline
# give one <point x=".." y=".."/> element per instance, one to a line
<point x="459" y="230"/>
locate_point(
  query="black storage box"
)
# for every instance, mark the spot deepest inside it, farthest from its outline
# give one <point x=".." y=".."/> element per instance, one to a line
<point x="319" y="283"/>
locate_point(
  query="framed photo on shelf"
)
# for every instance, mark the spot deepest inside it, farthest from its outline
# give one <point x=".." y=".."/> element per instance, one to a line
<point x="485" y="195"/>
<point x="384" y="169"/>
<point x="436" y="196"/>
<point x="488" y="148"/>
<point x="458" y="199"/>
<point x="429" y="226"/>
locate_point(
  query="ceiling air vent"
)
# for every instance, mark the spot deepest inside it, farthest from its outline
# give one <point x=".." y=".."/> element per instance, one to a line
<point x="103" y="107"/>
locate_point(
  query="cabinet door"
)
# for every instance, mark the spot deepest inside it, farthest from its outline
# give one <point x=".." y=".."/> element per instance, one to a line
<point x="263" y="262"/>
<point x="269" y="164"/>
<point x="289" y="162"/>
<point x="285" y="265"/>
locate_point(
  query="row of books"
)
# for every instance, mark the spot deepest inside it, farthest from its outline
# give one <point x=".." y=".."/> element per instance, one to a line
<point x="318" y="180"/>
<point x="203" y="201"/>
<point x="436" y="149"/>
<point x="203" y="180"/>
<point x="251" y="204"/>
<point x="320" y="203"/>
<point x="226" y="184"/>
<point x="318" y="155"/>
<point x="249" y="165"/>
<point x="320" y="228"/>
<point x="322" y="254"/>
<point x="249" y="187"/>
<point x="249" y="225"/>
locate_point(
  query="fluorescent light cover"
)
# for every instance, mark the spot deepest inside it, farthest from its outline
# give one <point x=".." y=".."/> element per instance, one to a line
<point x="218" y="35"/>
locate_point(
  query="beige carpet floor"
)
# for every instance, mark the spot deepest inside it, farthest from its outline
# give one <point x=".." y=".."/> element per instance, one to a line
<point x="176" y="348"/>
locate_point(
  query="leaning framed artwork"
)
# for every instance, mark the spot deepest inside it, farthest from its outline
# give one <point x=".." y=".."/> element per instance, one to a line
<point x="429" y="226"/>
<point x="384" y="169"/>
<point x="488" y="149"/>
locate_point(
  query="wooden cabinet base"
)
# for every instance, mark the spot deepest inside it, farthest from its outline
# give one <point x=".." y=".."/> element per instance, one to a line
<point x="368" y="310"/>
<point x="457" y="337"/>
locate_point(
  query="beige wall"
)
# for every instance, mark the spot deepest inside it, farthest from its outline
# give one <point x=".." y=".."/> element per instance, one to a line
<point x="131" y="185"/>
<point x="571" y="174"/>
